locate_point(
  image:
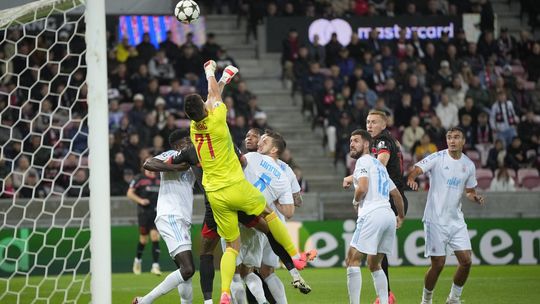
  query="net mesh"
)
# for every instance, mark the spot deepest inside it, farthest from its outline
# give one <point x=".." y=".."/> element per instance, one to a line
<point x="44" y="214"/>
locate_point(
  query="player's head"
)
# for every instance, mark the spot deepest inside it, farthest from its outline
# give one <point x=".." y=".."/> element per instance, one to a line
<point x="455" y="139"/>
<point x="359" y="143"/>
<point x="179" y="139"/>
<point x="252" y="139"/>
<point x="271" y="144"/>
<point x="375" y="122"/>
<point x="194" y="107"/>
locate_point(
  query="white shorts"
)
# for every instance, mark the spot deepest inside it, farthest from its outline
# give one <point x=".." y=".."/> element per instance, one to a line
<point x="269" y="258"/>
<point x="442" y="240"/>
<point x="251" y="250"/>
<point x="375" y="232"/>
<point x="175" y="231"/>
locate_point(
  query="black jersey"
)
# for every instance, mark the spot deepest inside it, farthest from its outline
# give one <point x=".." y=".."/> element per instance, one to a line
<point x="148" y="188"/>
<point x="385" y="143"/>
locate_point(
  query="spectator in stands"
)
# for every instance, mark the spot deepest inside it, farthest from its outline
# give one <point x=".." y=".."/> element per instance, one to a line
<point x="299" y="69"/>
<point x="487" y="45"/>
<point x="138" y="111"/>
<point x="120" y="81"/>
<point x="119" y="187"/>
<point x="31" y="188"/>
<point x="131" y="152"/>
<point x="402" y="74"/>
<point x="311" y="84"/>
<point x="174" y="101"/>
<point x="522" y="98"/>
<point x="415" y="90"/>
<point x="470" y="109"/>
<point x="479" y="95"/>
<point x="161" y="68"/>
<point x="79" y="185"/>
<point x="260" y="121"/>
<point x="8" y="190"/>
<point x="468" y="129"/>
<point x="210" y="49"/>
<point x="343" y="133"/>
<point x="456" y="92"/>
<point x="378" y="80"/>
<point x="356" y="48"/>
<point x="148" y="130"/>
<point x="516" y="156"/>
<point x="424" y="148"/>
<point x="436" y="93"/>
<point x="359" y="113"/>
<point x="301" y="180"/>
<point x="157" y="147"/>
<point x="332" y="50"/>
<point x="171" y="49"/>
<point x="121" y="50"/>
<point x="391" y="94"/>
<point x="346" y="63"/>
<point x="241" y="98"/>
<point x="334" y="115"/>
<point x="507" y="45"/>
<point x="412" y="135"/>
<point x="317" y="52"/>
<point x="405" y="110"/>
<point x="170" y="126"/>
<point x="22" y="169"/>
<point x="426" y="112"/>
<point x="529" y="131"/>
<point x="483" y="136"/>
<point x="231" y="111"/>
<point x="363" y="91"/>
<point x="140" y="79"/>
<point x="324" y="101"/>
<point x="447" y="113"/>
<point x="239" y="130"/>
<point x="190" y="65"/>
<point x="223" y="59"/>
<point x="290" y="46"/>
<point x="444" y="74"/>
<point x="503" y="118"/>
<point x="496" y="156"/>
<point x="533" y="63"/>
<point x="160" y="113"/>
<point x="337" y="78"/>
<point x="151" y="94"/>
<point x="146" y="49"/>
<point x="502" y="182"/>
<point x="524" y="45"/>
<point x="431" y="59"/>
<point x="115" y="115"/>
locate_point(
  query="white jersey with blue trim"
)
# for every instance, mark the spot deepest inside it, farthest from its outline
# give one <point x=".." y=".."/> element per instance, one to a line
<point x="295" y="186"/>
<point x="266" y="175"/>
<point x="448" y="179"/>
<point x="175" y="191"/>
<point x="379" y="183"/>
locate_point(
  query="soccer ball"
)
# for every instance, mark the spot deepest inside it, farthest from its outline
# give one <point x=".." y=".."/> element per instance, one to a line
<point x="187" y="11"/>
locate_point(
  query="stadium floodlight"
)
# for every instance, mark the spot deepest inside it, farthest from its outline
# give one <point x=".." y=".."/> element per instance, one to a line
<point x="54" y="233"/>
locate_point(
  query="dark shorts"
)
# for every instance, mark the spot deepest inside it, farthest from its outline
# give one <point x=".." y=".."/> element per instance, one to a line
<point x="209" y="227"/>
<point x="405" y="202"/>
<point x="146" y="220"/>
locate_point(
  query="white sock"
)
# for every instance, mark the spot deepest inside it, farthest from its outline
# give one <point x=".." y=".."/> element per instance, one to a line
<point x="276" y="288"/>
<point x="169" y="283"/>
<point x="455" y="292"/>
<point x="255" y="285"/>
<point x="185" y="289"/>
<point x="295" y="274"/>
<point x="155" y="265"/>
<point x="427" y="295"/>
<point x="238" y="293"/>
<point x="381" y="285"/>
<point x="208" y="302"/>
<point x="354" y="284"/>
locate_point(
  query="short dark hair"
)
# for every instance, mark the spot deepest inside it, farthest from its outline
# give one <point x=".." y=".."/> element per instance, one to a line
<point x="277" y="140"/>
<point x="362" y="133"/>
<point x="194" y="107"/>
<point x="256" y="130"/>
<point x="177" y="135"/>
<point x="456" y="129"/>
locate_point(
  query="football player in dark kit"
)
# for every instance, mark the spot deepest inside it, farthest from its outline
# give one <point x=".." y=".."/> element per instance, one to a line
<point x="388" y="151"/>
<point x="143" y="190"/>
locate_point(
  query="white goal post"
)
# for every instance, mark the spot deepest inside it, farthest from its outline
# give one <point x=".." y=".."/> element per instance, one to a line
<point x="55" y="244"/>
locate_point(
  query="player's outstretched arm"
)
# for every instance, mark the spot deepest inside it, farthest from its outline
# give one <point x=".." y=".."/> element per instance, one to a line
<point x="213" y="88"/>
<point x="156" y="165"/>
<point x="417" y="171"/>
<point x="135" y="198"/>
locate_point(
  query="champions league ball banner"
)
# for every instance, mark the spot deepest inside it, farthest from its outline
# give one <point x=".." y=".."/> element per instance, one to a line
<point x="427" y="28"/>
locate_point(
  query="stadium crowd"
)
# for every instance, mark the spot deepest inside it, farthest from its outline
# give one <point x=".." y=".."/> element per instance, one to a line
<point x="44" y="127"/>
<point x="488" y="87"/>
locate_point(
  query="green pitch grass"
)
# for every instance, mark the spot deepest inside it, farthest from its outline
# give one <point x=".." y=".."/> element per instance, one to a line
<point x="487" y="284"/>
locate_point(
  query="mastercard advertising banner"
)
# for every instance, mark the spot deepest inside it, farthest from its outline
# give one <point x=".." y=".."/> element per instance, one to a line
<point x="427" y="28"/>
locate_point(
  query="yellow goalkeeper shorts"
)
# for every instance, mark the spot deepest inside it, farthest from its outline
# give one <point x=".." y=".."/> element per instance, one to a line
<point x="226" y="202"/>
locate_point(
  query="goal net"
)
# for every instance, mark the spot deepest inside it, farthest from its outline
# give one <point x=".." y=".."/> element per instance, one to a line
<point x="44" y="172"/>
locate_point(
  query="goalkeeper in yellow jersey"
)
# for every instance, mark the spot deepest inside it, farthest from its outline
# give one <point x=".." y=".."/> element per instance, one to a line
<point x="223" y="179"/>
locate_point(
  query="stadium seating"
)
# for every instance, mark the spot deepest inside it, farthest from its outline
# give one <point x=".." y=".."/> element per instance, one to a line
<point x="484" y="177"/>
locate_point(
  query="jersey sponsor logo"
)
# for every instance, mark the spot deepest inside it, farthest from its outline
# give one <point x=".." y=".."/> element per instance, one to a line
<point x="453" y="183"/>
<point x="201" y="126"/>
<point x="270" y="168"/>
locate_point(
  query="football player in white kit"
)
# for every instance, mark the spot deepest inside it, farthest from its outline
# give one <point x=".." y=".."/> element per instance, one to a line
<point x="263" y="170"/>
<point x="376" y="225"/>
<point x="450" y="174"/>
<point x="173" y="220"/>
